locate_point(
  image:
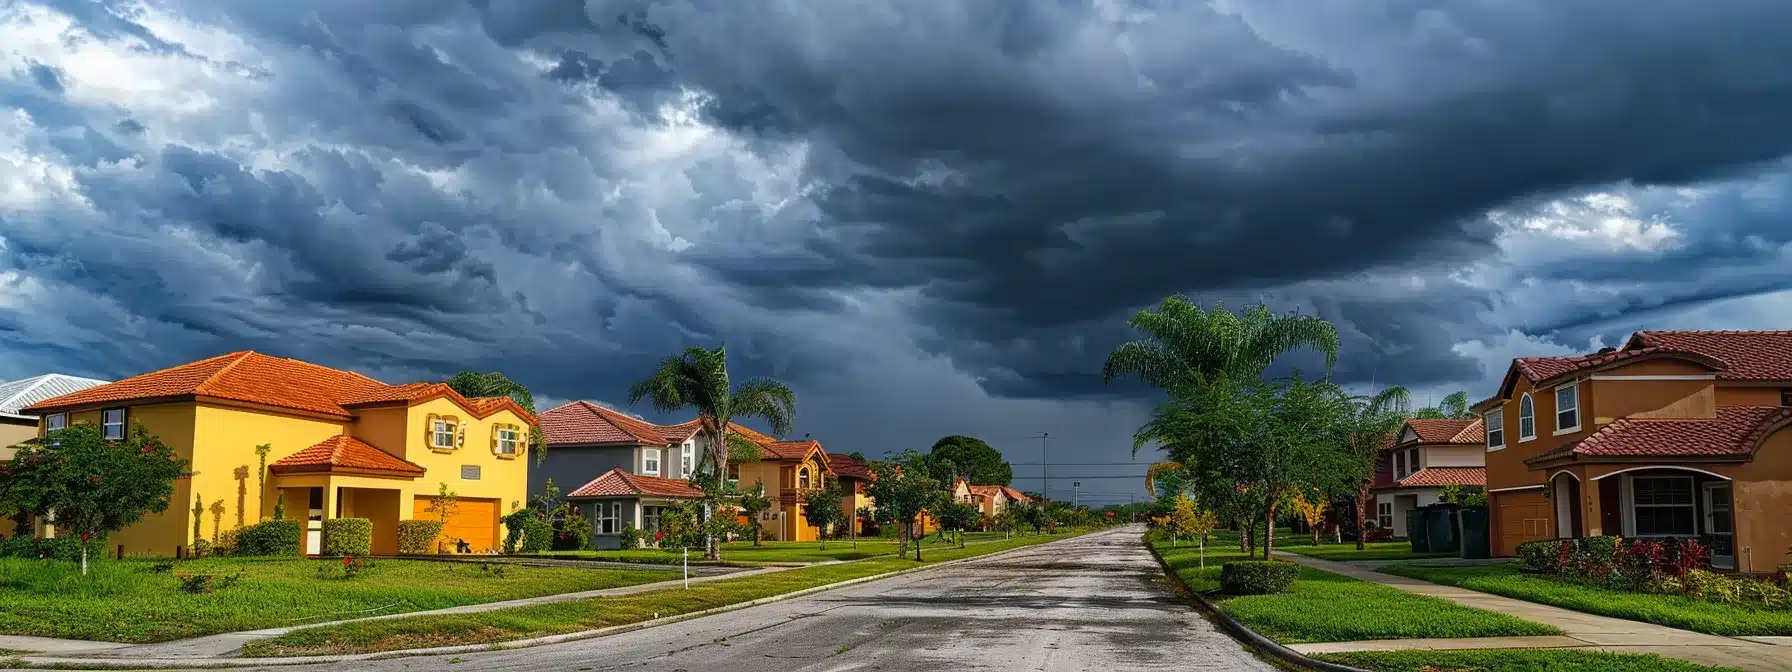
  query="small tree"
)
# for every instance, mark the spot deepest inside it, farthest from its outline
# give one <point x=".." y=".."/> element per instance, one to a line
<point x="957" y="517"/>
<point x="1311" y="512"/>
<point x="825" y="510"/>
<point x="753" y="504"/>
<point x="902" y="489"/>
<point x="92" y="486"/>
<point x="445" y="505"/>
<point x="1006" y="522"/>
<point x="261" y="475"/>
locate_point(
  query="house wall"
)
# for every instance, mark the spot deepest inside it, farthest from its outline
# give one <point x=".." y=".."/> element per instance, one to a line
<point x="1454" y="456"/>
<point x="1747" y="396"/>
<point x="14" y="432"/>
<point x="572" y="467"/>
<point x="630" y="513"/>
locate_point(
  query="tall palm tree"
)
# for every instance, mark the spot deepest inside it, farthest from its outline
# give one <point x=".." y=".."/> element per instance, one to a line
<point x="494" y="384"/>
<point x="1185" y="346"/>
<point x="1368" y="422"/>
<point x="697" y="379"/>
<point x="1453" y="407"/>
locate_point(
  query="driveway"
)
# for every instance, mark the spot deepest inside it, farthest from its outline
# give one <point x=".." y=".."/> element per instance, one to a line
<point x="1091" y="603"/>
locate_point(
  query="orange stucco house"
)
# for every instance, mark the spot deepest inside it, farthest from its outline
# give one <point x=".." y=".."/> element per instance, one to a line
<point x="1676" y="434"/>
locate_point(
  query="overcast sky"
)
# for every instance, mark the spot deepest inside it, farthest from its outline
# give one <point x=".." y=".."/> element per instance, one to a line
<point x="927" y="216"/>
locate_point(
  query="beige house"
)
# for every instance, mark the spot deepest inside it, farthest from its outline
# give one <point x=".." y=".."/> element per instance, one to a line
<point x="16" y="427"/>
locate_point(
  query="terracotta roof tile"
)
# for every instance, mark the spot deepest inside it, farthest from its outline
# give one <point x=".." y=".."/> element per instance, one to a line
<point x="1734" y="432"/>
<point x="343" y="452"/>
<point x="1746" y="355"/>
<point x="619" y="483"/>
<point x="789" y="450"/>
<point x="586" y="422"/>
<point x="1437" y="477"/>
<point x="1016" y="495"/>
<point x="1442" y="431"/>
<point x="847" y="467"/>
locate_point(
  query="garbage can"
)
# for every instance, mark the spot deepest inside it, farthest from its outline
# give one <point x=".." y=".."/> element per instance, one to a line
<point x="1475" y="542"/>
<point x="1440" y="528"/>
<point x="1416" y="531"/>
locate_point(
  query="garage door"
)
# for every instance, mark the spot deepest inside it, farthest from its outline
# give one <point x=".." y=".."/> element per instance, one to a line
<point x="474" y="520"/>
<point x="1523" y="516"/>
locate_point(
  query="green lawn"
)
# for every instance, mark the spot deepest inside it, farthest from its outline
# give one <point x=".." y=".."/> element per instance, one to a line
<point x="548" y="619"/>
<point x="1326" y="607"/>
<point x="1380" y="550"/>
<point x="1513" y="660"/>
<point x="781" y="551"/>
<point x="126" y="601"/>
<point x="1669" y="610"/>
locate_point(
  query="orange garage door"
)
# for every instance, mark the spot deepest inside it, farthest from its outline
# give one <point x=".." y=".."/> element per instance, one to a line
<point x="475" y="520"/>
<point x="1523" y="516"/>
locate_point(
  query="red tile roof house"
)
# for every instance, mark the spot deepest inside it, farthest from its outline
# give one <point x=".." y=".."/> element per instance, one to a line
<point x="619" y="469"/>
<point x="1677" y="434"/>
<point x="1424" y="457"/>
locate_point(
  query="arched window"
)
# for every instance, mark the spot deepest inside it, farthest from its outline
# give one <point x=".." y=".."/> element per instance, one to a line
<point x="1527" y="418"/>
<point x="802" y="478"/>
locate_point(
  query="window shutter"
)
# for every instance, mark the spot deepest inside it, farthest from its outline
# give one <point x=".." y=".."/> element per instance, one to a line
<point x="460" y="435"/>
<point x="496" y="429"/>
<point x="429" y="430"/>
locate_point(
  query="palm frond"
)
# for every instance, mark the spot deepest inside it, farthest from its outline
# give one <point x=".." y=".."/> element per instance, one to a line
<point x="767" y="400"/>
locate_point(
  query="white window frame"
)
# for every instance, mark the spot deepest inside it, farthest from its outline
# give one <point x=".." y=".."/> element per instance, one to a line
<point x="508" y="440"/>
<point x="1495" y="424"/>
<point x="1399" y="464"/>
<point x="803" y="478"/>
<point x="55" y="421"/>
<point x="1384" y="515"/>
<point x="651" y="516"/>
<point x="687" y="459"/>
<point x="106" y="423"/>
<point x="1573" y="390"/>
<point x="1413" y="462"/>
<point x="650" y="461"/>
<point x="1526" y="403"/>
<point x="609" y="518"/>
<point x="440" y="427"/>
<point x="1630" y="506"/>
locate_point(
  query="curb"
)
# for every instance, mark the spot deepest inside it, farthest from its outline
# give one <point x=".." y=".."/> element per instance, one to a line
<point x="192" y="663"/>
<point x="1244" y="634"/>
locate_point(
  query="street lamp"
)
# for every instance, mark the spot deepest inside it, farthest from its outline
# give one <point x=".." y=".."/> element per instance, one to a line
<point x="1076" y="488"/>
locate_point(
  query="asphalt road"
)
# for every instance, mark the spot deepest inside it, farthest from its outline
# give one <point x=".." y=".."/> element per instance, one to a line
<point x="1089" y="603"/>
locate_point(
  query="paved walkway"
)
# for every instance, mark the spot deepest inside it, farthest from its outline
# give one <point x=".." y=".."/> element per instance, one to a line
<point x="215" y="646"/>
<point x="1579" y="630"/>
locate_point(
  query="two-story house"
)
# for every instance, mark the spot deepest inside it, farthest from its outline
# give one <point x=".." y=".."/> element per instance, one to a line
<point x="855" y="476"/>
<point x="1676" y="434"/>
<point x="991" y="500"/>
<point x="1426" y="456"/>
<point x="340" y="445"/>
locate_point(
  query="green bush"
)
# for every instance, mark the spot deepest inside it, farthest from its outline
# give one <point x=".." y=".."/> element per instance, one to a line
<point x="1543" y="557"/>
<point x="1257" y="577"/>
<point x="270" y="537"/>
<point x="22" y="546"/>
<point x="348" y="536"/>
<point x="418" y="537"/>
<point x="59" y="548"/>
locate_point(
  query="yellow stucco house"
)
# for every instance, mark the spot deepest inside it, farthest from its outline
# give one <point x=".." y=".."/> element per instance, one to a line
<point x="342" y="445"/>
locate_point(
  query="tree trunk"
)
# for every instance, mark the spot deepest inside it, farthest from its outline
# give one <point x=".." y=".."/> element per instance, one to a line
<point x="83" y="558"/>
<point x="1244" y="537"/>
<point x="1269" y="531"/>
<point x="1362" y="514"/>
<point x="713" y="547"/>
<point x="918" y="548"/>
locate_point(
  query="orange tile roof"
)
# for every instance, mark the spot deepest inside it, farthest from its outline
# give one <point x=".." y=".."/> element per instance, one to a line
<point x="255" y="378"/>
<point x="1758" y="356"/>
<point x="1437" y="477"/>
<point x="1435" y="430"/>
<point x="847" y="467"/>
<point x="619" y="483"/>
<point x="1016" y="494"/>
<point x="985" y="490"/>
<point x="582" y="422"/>
<point x="346" y="453"/>
<point x="1735" y="432"/>
<point x="789" y="450"/>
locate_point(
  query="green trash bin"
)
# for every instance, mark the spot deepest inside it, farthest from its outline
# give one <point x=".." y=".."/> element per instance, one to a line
<point x="1475" y="542"/>
<point x="1440" y="528"/>
<point x="1416" y="531"/>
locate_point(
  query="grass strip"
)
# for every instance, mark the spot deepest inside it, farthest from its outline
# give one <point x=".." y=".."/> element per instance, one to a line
<point x="580" y="615"/>
<point x="1514" y="660"/>
<point x="1324" y="607"/>
<point x="1675" y="611"/>
<point x="135" y="601"/>
<point x="779" y="551"/>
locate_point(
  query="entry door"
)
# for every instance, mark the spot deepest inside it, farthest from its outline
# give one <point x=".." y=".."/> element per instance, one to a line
<point x="314" y="523"/>
<point x="1720" y="526"/>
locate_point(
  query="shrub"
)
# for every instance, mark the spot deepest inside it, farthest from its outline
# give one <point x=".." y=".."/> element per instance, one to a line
<point x="418" y="537"/>
<point x="1257" y="577"/>
<point x="19" y="547"/>
<point x="575" y="532"/>
<point x="348" y="536"/>
<point x="270" y="537"/>
<point x="203" y="548"/>
<point x="226" y="543"/>
<point x="1540" y="556"/>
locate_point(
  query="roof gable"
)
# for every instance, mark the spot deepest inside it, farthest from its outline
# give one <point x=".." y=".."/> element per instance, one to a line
<point x="1438" y="430"/>
<point x="583" y="422"/>
<point x="619" y="483"/>
<point x="345" y="453"/>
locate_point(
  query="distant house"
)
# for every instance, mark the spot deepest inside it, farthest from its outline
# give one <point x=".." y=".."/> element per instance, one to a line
<point x="855" y="476"/>
<point x="16" y="427"/>
<point x="1675" y="435"/>
<point x="991" y="500"/>
<point x="1419" y="462"/>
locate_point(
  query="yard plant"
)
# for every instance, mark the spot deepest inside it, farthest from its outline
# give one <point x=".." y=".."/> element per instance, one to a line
<point x="344" y="536"/>
<point x="88" y="485"/>
<point x="1257" y="577"/>
<point x="1513" y="660"/>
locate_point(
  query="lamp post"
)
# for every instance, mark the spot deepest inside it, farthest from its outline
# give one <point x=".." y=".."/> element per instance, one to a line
<point x="1076" y="491"/>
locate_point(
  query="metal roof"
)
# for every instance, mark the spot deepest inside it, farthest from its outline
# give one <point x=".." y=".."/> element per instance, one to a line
<point x="25" y="392"/>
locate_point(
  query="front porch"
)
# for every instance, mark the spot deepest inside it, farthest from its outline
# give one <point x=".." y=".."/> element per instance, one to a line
<point x="1650" y="501"/>
<point x="315" y="498"/>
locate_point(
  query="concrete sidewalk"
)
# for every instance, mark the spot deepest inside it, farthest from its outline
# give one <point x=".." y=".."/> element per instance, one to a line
<point x="1579" y="630"/>
<point x="214" y="646"/>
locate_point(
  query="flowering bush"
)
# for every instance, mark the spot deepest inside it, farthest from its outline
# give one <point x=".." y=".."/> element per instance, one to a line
<point x="1663" y="567"/>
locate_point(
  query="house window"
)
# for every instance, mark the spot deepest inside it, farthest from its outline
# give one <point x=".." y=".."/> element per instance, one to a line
<point x="650" y="462"/>
<point x="1384" y="514"/>
<point x="1662" y="506"/>
<point x="689" y="451"/>
<point x="734" y="473"/>
<point x="802" y="478"/>
<point x="1567" y="408"/>
<point x="441" y="434"/>
<point x="609" y="517"/>
<point x="1412" y="461"/>
<point x="112" y="421"/>
<point x="509" y="438"/>
<point x="1527" y="418"/>
<point x="1399" y="465"/>
<point x="55" y="421"/>
<point x="650" y="518"/>
<point x="1496" y="430"/>
<point x="1786" y="397"/>
<point x="469" y="472"/>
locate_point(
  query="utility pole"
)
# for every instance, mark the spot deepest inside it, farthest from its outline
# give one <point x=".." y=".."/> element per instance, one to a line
<point x="1076" y="493"/>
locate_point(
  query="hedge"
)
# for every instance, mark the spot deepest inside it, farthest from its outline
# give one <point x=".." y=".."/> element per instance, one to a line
<point x="59" y="548"/>
<point x="1257" y="577"/>
<point x="348" y="536"/>
<point x="418" y="537"/>
<point x="270" y="537"/>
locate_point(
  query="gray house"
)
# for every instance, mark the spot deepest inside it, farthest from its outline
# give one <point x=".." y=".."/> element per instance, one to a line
<point x="619" y="469"/>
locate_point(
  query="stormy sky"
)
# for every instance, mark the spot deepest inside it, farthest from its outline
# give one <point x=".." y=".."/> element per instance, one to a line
<point x="928" y="216"/>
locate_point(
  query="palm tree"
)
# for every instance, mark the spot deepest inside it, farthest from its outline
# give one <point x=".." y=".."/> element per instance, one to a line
<point x="1368" y="422"/>
<point x="1185" y="346"/>
<point x="472" y="384"/>
<point x="1453" y="407"/>
<point x="697" y="379"/>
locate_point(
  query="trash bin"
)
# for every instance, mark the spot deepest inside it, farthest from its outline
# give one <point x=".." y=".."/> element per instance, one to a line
<point x="1440" y="528"/>
<point x="1475" y="542"/>
<point x="1416" y="531"/>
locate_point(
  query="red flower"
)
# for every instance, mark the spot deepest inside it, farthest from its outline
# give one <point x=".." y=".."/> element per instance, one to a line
<point x="96" y="480"/>
<point x="86" y="537"/>
<point x="348" y="560"/>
